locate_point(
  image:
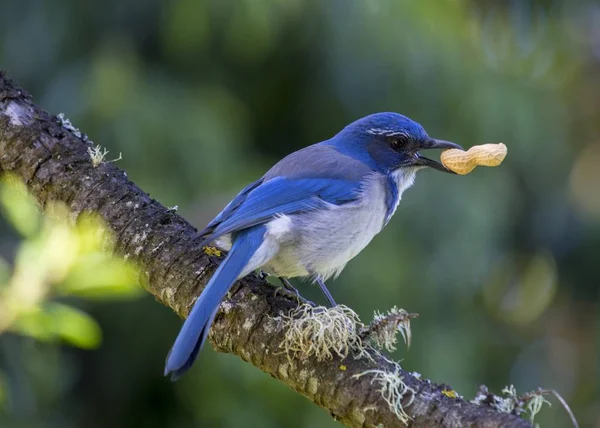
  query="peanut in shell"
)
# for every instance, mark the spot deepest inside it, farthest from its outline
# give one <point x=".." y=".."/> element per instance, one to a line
<point x="462" y="162"/>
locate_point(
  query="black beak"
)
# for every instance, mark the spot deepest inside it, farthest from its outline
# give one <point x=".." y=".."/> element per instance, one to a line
<point x="432" y="143"/>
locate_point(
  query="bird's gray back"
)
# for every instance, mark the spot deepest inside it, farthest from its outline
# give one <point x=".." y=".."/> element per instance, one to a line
<point x="319" y="160"/>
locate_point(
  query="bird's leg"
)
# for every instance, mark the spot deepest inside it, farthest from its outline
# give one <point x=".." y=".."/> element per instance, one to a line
<point x="287" y="289"/>
<point x="286" y="283"/>
<point x="326" y="292"/>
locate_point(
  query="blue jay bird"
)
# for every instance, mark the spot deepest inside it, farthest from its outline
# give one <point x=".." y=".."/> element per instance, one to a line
<point x="310" y="214"/>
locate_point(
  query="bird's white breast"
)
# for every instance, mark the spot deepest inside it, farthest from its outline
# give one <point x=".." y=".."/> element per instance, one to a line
<point x="404" y="178"/>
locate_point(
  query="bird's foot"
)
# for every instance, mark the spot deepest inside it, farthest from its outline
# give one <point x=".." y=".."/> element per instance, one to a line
<point x="288" y="290"/>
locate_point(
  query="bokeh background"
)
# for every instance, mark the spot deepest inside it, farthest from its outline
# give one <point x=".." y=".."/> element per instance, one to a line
<point x="203" y="96"/>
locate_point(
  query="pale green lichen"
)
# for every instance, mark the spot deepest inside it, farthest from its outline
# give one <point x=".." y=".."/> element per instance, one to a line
<point x="325" y="332"/>
<point x="535" y="405"/>
<point x="529" y="402"/>
<point x="97" y="154"/>
<point x="283" y="371"/>
<point x="393" y="390"/>
<point x="321" y="332"/>
<point x="510" y="403"/>
<point x="66" y="123"/>
<point x="383" y="330"/>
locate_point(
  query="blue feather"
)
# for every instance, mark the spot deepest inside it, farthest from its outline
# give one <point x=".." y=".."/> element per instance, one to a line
<point x="195" y="328"/>
<point x="283" y="196"/>
<point x="391" y="198"/>
<point x="233" y="205"/>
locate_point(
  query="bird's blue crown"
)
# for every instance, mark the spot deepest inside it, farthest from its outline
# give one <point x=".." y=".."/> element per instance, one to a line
<point x="386" y="124"/>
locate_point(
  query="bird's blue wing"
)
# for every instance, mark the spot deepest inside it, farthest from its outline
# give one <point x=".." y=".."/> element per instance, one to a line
<point x="280" y="195"/>
<point x="231" y="207"/>
<point x="305" y="180"/>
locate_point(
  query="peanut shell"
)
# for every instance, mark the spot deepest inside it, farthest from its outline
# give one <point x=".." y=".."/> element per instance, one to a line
<point x="462" y="162"/>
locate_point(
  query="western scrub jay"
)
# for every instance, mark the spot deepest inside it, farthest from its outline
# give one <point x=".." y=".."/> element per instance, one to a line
<point x="310" y="214"/>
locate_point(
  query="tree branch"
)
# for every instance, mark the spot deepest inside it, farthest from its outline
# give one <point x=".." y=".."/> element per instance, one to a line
<point x="53" y="160"/>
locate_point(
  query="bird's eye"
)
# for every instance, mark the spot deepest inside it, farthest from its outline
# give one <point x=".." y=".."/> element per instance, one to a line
<point x="399" y="141"/>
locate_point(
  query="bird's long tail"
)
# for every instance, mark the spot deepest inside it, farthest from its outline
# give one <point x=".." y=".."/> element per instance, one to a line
<point x="195" y="328"/>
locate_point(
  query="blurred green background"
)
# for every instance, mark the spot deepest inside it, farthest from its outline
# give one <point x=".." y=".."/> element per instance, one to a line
<point x="203" y="96"/>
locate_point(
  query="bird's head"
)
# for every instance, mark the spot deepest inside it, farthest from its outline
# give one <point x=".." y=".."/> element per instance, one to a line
<point x="390" y="141"/>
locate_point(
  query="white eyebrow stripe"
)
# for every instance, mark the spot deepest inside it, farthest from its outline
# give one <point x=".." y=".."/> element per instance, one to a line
<point x="386" y="131"/>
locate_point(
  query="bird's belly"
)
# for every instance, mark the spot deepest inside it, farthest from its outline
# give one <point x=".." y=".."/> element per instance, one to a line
<point x="322" y="242"/>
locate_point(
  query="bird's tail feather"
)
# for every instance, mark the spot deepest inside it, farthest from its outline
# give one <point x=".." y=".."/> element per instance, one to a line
<point x="195" y="329"/>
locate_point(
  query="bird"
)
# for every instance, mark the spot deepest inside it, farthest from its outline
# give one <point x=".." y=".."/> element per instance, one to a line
<point x="310" y="214"/>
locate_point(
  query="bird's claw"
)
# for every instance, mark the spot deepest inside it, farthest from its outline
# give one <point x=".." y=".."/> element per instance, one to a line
<point x="281" y="290"/>
<point x="287" y="290"/>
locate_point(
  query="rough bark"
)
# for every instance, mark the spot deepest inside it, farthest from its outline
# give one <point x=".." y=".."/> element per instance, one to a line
<point x="54" y="163"/>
